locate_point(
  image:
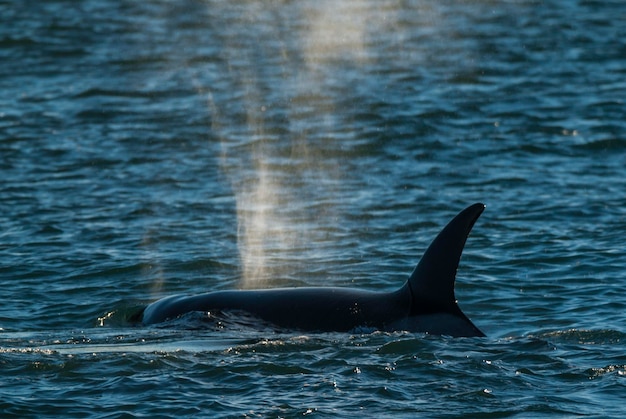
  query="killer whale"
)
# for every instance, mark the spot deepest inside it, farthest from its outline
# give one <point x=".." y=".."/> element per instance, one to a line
<point x="425" y="303"/>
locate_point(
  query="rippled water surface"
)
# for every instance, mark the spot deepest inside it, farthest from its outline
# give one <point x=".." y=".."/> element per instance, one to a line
<point x="162" y="147"/>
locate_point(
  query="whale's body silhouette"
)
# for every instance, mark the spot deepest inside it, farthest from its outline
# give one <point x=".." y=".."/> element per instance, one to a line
<point x="425" y="303"/>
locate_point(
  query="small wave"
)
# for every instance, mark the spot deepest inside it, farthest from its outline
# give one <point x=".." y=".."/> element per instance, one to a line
<point x="583" y="336"/>
<point x="605" y="144"/>
<point x="125" y="314"/>
<point x="230" y="320"/>
<point x="27" y="351"/>
<point x="620" y="370"/>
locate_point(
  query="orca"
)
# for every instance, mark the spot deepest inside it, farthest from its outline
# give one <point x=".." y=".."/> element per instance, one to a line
<point x="424" y="304"/>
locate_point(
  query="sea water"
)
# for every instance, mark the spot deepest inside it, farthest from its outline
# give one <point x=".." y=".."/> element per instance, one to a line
<point x="163" y="147"/>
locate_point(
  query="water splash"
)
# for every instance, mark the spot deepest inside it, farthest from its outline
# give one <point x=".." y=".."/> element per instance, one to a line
<point x="263" y="151"/>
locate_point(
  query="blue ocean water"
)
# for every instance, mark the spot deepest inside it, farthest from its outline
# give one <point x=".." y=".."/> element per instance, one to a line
<point x="154" y="148"/>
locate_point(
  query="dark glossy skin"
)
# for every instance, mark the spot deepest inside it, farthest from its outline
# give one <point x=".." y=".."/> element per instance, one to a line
<point x="426" y="302"/>
<point x="318" y="309"/>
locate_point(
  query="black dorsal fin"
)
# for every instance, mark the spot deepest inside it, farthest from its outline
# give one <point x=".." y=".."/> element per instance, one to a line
<point x="432" y="281"/>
